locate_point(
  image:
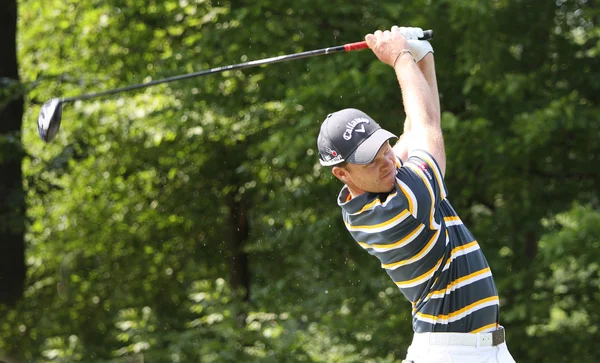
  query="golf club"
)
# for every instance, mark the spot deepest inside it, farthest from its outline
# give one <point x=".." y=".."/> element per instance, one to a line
<point x="51" y="112"/>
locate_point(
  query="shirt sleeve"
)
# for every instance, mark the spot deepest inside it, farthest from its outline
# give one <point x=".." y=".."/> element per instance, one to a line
<point x="420" y="180"/>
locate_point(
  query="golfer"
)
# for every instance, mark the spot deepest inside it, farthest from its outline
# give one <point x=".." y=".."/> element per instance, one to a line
<point x="395" y="205"/>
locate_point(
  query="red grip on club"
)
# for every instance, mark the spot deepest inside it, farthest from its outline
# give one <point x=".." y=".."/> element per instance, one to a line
<point x="355" y="46"/>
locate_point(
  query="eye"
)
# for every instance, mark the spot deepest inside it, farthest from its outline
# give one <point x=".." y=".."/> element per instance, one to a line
<point x="386" y="150"/>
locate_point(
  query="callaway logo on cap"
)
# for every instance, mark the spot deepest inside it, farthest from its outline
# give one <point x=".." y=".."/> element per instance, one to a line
<point x="350" y="135"/>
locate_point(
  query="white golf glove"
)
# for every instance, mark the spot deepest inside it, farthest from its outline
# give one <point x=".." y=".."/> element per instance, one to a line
<point x="418" y="48"/>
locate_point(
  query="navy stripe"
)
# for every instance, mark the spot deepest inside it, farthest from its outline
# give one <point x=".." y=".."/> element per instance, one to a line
<point x="471" y="322"/>
<point x="414" y="248"/>
<point x="456" y="300"/>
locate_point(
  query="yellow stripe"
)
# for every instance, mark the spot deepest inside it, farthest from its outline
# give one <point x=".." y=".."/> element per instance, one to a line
<point x="374" y="203"/>
<point x="407" y="195"/>
<point x="401" y="283"/>
<point x="419" y="172"/>
<point x="463" y="247"/>
<point x="432" y="166"/>
<point x="460" y="311"/>
<point x="415" y="257"/>
<point x="486" y="327"/>
<point x="390" y="221"/>
<point x="419" y="300"/>
<point x="460" y="248"/>
<point x="367" y="206"/>
<point x="452" y="219"/>
<point x="390" y="246"/>
<point x="458" y="281"/>
<point x="456" y="249"/>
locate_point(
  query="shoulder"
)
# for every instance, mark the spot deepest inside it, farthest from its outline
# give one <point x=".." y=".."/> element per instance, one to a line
<point x="422" y="182"/>
<point x="422" y="167"/>
<point x="426" y="162"/>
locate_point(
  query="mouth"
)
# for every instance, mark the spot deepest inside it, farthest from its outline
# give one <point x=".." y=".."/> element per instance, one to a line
<point x="386" y="175"/>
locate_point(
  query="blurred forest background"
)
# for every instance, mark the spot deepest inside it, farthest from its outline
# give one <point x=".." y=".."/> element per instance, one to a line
<point x="191" y="222"/>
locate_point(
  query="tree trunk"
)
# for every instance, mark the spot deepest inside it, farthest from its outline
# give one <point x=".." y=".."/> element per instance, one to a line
<point x="238" y="261"/>
<point x="12" y="199"/>
<point x="531" y="245"/>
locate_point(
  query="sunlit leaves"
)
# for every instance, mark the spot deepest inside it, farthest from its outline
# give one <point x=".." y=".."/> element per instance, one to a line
<point x="128" y="239"/>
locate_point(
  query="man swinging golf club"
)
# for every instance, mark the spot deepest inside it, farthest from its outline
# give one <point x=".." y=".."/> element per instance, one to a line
<point x="394" y="204"/>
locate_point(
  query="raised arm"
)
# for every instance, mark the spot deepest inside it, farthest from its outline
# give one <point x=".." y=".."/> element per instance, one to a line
<point x="422" y="129"/>
<point x="403" y="146"/>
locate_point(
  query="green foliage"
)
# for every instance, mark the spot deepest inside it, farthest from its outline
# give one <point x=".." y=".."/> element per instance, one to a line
<point x="130" y="208"/>
<point x="567" y="287"/>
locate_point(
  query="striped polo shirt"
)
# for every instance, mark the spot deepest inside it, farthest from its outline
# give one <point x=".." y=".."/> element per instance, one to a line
<point x="426" y="249"/>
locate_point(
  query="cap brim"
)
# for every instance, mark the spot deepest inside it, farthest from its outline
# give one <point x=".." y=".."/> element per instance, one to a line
<point x="366" y="152"/>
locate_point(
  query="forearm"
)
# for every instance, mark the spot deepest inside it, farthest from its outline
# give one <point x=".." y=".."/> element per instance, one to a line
<point x="427" y="68"/>
<point x="419" y="91"/>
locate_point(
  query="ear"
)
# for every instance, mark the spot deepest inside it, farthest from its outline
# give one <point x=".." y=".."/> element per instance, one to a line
<point x="340" y="173"/>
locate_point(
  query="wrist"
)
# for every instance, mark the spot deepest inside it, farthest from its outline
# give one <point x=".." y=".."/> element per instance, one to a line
<point x="404" y="53"/>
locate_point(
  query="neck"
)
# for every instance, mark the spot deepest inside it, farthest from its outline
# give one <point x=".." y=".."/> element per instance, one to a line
<point x="354" y="191"/>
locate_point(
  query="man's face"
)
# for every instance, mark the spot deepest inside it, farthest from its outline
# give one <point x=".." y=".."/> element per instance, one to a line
<point x="377" y="177"/>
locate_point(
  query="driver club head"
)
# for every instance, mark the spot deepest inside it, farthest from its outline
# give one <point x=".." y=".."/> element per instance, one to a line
<point x="49" y="119"/>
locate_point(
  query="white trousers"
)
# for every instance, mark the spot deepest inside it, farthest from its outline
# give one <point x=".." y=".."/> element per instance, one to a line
<point x="456" y="347"/>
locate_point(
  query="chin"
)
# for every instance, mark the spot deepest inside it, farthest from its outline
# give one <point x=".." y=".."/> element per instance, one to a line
<point x="384" y="188"/>
<point x="388" y="186"/>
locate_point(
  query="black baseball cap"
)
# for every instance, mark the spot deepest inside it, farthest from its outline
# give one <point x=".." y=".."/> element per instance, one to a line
<point x="350" y="135"/>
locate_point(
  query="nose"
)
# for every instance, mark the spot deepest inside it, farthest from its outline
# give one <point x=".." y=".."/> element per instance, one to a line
<point x="387" y="165"/>
<point x="389" y="161"/>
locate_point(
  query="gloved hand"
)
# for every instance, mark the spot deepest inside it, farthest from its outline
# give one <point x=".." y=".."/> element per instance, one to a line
<point x="418" y="48"/>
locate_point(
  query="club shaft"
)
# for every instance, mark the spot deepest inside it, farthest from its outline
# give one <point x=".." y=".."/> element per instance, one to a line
<point x="255" y="63"/>
<point x="311" y="53"/>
